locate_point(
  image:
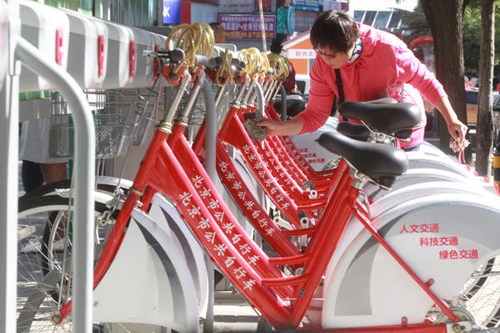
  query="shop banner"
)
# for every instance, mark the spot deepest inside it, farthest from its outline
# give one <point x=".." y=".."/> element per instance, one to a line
<point x="267" y="5"/>
<point x="247" y="26"/>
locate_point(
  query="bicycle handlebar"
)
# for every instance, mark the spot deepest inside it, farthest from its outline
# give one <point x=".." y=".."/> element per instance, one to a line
<point x="175" y="55"/>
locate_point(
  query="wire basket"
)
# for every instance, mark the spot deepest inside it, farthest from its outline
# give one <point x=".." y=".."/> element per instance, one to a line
<point x="116" y="118"/>
<point x="144" y="104"/>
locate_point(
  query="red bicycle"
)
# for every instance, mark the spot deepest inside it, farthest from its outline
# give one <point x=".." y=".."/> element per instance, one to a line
<point x="351" y="273"/>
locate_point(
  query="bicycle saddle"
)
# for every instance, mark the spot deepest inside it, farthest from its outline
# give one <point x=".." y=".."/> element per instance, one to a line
<point x="396" y="119"/>
<point x="354" y="131"/>
<point x="381" y="163"/>
<point x="295" y="104"/>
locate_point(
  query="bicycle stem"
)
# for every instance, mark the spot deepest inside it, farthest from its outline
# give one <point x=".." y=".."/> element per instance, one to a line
<point x="170" y="114"/>
<point x="184" y="116"/>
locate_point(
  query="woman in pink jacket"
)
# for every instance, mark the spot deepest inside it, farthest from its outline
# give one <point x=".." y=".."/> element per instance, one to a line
<point x="373" y="64"/>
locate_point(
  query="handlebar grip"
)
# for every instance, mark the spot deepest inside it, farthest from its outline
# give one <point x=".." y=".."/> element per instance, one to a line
<point x="176" y="55"/>
<point x="238" y="64"/>
<point x="218" y="61"/>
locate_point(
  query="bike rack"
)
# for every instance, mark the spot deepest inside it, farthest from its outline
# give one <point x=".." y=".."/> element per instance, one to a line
<point x="9" y="30"/>
<point x="84" y="170"/>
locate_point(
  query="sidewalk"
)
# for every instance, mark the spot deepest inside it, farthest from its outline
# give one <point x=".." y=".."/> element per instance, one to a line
<point x="233" y="314"/>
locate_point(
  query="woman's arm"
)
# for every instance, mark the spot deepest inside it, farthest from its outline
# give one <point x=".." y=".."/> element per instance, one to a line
<point x="456" y="128"/>
<point x="416" y="74"/>
<point x="317" y="109"/>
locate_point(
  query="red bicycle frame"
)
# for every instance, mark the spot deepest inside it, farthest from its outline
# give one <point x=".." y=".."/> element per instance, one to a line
<point x="282" y="300"/>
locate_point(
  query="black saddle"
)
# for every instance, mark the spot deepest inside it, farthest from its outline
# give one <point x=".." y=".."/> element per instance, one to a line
<point x="381" y="163"/>
<point x="355" y="131"/>
<point x="294" y="104"/>
<point x="395" y="119"/>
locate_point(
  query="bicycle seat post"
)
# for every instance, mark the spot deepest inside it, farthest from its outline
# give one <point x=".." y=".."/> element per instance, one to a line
<point x="378" y="137"/>
<point x="268" y="87"/>
<point x="359" y="179"/>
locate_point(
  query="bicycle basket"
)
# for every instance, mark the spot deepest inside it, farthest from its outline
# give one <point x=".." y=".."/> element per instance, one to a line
<point x="144" y="104"/>
<point x="115" y="118"/>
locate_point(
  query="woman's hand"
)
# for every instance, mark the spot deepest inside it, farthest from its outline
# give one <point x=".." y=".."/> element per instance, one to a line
<point x="456" y="128"/>
<point x="457" y="131"/>
<point x="272" y="126"/>
<point x="287" y="127"/>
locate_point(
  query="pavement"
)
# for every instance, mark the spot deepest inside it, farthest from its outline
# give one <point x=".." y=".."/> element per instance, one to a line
<point x="233" y="314"/>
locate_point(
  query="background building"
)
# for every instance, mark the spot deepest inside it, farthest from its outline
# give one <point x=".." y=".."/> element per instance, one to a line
<point x="242" y="20"/>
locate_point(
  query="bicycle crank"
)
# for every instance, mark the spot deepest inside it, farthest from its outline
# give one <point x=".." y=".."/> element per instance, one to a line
<point x="466" y="325"/>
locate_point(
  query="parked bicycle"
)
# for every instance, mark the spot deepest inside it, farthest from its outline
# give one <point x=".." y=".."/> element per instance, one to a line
<point x="425" y="264"/>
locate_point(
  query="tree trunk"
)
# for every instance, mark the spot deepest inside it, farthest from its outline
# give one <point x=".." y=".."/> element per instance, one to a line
<point x="484" y="128"/>
<point x="445" y="21"/>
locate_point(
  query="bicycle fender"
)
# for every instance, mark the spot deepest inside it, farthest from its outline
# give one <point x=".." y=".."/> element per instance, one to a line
<point x="164" y="213"/>
<point x="148" y="282"/>
<point x="442" y="237"/>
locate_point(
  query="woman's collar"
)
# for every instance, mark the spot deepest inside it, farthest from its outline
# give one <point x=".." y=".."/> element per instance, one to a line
<point x="357" y="50"/>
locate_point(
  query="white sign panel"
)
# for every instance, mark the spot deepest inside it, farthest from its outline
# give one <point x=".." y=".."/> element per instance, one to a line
<point x="301" y="54"/>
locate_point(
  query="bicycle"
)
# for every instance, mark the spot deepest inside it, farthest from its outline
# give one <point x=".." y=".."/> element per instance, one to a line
<point x="270" y="292"/>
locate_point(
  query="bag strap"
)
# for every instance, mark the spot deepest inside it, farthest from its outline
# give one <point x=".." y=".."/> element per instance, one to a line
<point x="340" y="98"/>
<point x="340" y="88"/>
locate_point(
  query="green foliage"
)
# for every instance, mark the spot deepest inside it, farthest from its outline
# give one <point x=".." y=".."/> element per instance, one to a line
<point x="472" y="39"/>
<point x="417" y="22"/>
<point x="472" y="36"/>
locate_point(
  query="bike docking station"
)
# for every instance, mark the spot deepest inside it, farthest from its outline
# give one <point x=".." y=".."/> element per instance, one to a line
<point x="337" y="231"/>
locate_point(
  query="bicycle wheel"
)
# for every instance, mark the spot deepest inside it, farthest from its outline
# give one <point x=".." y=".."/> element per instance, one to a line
<point x="481" y="294"/>
<point x="480" y="277"/>
<point x="44" y="260"/>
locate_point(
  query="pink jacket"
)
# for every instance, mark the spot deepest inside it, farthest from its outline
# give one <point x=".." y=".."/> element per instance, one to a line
<point x="384" y="65"/>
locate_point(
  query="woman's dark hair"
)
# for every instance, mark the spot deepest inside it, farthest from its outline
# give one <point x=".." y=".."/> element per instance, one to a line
<point x="276" y="45"/>
<point x="334" y="30"/>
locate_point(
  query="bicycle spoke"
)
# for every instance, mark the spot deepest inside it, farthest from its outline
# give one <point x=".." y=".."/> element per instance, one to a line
<point x="44" y="262"/>
<point x="483" y="299"/>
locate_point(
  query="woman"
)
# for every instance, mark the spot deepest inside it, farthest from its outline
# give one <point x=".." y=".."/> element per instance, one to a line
<point x="372" y="64"/>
